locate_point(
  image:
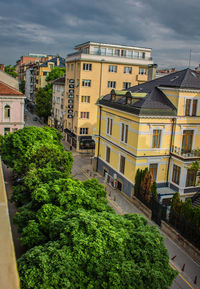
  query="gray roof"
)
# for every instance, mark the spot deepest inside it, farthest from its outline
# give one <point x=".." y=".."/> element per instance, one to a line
<point x="148" y="99"/>
<point x="60" y="80"/>
<point x="54" y="60"/>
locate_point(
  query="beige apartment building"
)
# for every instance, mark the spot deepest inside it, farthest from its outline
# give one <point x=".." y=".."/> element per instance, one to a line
<point x="91" y="72"/>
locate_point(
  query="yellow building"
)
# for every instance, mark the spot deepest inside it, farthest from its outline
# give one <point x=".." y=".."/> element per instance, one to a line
<point x="92" y="71"/>
<point x="155" y="125"/>
<point x="45" y="68"/>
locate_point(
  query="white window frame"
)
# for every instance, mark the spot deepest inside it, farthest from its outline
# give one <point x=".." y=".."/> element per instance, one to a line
<point x="112" y="68"/>
<point x="109" y="126"/>
<point x="86" y="115"/>
<point x="85" y="99"/>
<point x="128" y="69"/>
<point x="111" y="84"/>
<point x="142" y="71"/>
<point x="124" y="137"/>
<point x="107" y="146"/>
<point x="84" y="130"/>
<point x="87" y="66"/>
<point x="124" y="85"/>
<point x="86" y="83"/>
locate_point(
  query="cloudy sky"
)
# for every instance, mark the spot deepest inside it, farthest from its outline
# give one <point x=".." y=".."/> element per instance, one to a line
<point x="171" y="28"/>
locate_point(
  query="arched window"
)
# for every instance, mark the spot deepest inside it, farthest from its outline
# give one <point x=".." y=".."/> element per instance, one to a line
<point x="7" y="111"/>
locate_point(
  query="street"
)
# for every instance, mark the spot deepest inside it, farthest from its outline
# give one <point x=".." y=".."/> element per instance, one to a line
<point x="82" y="170"/>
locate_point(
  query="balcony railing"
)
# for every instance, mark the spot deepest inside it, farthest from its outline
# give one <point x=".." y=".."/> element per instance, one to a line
<point x="109" y="54"/>
<point x="185" y="153"/>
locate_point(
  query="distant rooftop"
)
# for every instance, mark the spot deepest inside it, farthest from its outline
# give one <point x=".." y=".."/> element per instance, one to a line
<point x="55" y="61"/>
<point x="111" y="45"/>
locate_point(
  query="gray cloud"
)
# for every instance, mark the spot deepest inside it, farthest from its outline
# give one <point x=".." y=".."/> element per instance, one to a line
<point x="171" y="29"/>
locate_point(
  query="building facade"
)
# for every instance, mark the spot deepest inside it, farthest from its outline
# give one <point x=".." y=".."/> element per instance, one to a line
<point x="58" y="108"/>
<point x="92" y="71"/>
<point x="154" y="125"/>
<point x="11" y="109"/>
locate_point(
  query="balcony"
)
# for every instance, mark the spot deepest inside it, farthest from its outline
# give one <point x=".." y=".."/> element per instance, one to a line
<point x="99" y="53"/>
<point x="190" y="154"/>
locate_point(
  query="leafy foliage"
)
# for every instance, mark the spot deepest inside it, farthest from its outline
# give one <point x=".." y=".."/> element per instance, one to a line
<point x="14" y="146"/>
<point x="44" y="95"/>
<point x="98" y="250"/>
<point x="11" y="70"/>
<point x="55" y="73"/>
<point x="22" y="86"/>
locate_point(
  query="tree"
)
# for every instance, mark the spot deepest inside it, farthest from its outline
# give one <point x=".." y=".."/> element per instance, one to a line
<point x="14" y="146"/>
<point x="44" y="102"/>
<point x="11" y="70"/>
<point x="44" y="95"/>
<point x="22" y="86"/>
<point x="55" y="73"/>
<point x="98" y="250"/>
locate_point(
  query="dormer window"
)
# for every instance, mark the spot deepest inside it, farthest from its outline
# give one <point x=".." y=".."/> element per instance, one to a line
<point x="113" y="95"/>
<point x="128" y="98"/>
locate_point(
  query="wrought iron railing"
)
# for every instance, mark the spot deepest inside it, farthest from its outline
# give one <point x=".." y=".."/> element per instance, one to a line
<point x="185" y="153"/>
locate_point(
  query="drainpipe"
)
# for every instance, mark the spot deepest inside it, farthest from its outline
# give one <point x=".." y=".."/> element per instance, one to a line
<point x="99" y="140"/>
<point x="171" y="144"/>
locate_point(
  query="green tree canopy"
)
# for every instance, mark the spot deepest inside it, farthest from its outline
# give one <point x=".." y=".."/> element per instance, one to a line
<point x="14" y="146"/>
<point x="44" y="102"/>
<point x="97" y="250"/>
<point x="11" y="70"/>
<point x="55" y="73"/>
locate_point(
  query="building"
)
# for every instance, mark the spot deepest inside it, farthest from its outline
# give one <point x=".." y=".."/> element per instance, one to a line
<point x="11" y="109"/>
<point x="164" y="71"/>
<point x="92" y="71"/>
<point x="24" y="61"/>
<point x="155" y="125"/>
<point x="58" y="98"/>
<point x="36" y="74"/>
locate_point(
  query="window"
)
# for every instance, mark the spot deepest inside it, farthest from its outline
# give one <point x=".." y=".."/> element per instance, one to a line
<point x="85" y="99"/>
<point x="83" y="130"/>
<point x="112" y="68"/>
<point x="85" y="114"/>
<point x="108" y="154"/>
<point x="124" y="133"/>
<point x="51" y="66"/>
<point x="187" y="141"/>
<point x="68" y="65"/>
<point x="126" y="85"/>
<point x="103" y="51"/>
<point x="156" y="138"/>
<point x="7" y="111"/>
<point x="194" y="107"/>
<point x="6" y="130"/>
<point x="112" y="84"/>
<point x="123" y="53"/>
<point x="110" y="52"/>
<point x="136" y="54"/>
<point x="109" y="126"/>
<point x="117" y="52"/>
<point x="44" y="73"/>
<point x="153" y="169"/>
<point x="130" y="54"/>
<point x="72" y="67"/>
<point x="87" y="66"/>
<point x="128" y="70"/>
<point x="86" y="82"/>
<point x="191" y="178"/>
<point x="14" y="129"/>
<point x="122" y="164"/>
<point x="176" y="174"/>
<point x="96" y="50"/>
<point x="187" y="107"/>
<point x="57" y="99"/>
<point x="142" y="71"/>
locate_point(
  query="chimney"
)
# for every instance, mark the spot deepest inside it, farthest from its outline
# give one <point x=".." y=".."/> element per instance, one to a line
<point x="2" y="67"/>
<point x="152" y="71"/>
<point x="58" y="61"/>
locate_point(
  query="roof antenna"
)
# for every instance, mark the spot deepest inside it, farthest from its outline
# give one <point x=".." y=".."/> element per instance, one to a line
<point x="189" y="58"/>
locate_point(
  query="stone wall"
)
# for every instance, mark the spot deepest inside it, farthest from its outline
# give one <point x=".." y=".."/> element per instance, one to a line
<point x="192" y="251"/>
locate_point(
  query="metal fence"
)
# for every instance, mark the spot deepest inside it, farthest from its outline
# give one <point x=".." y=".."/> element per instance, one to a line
<point x="186" y="228"/>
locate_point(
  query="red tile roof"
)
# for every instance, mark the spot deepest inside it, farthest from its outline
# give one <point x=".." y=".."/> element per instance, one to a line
<point x="7" y="90"/>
